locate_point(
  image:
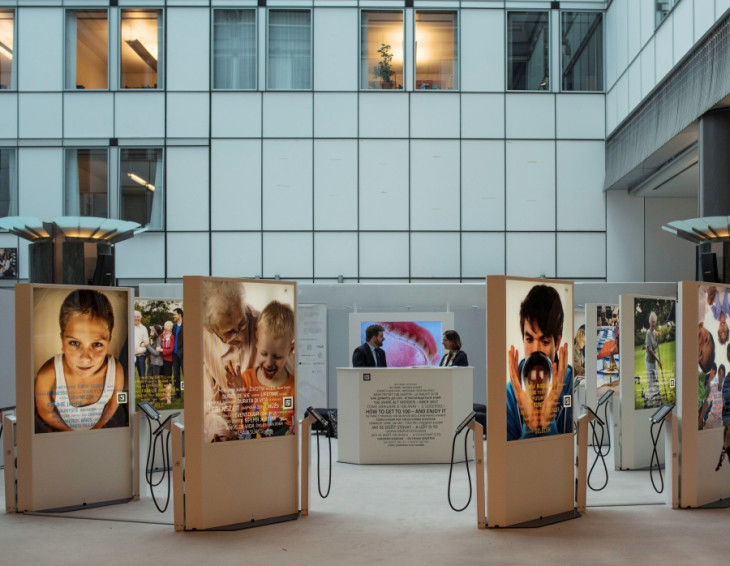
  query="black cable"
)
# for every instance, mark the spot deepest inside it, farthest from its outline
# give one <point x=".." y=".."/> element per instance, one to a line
<point x="329" y="483"/>
<point x="451" y="468"/>
<point x="655" y="457"/>
<point x="149" y="464"/>
<point x="600" y="454"/>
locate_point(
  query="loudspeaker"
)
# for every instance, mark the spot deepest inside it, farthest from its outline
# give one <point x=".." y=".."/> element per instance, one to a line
<point x="708" y="267"/>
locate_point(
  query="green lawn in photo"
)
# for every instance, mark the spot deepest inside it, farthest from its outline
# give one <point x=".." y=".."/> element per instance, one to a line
<point x="160" y="403"/>
<point x="666" y="374"/>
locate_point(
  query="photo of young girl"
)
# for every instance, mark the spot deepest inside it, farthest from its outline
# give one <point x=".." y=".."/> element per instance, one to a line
<point x="84" y="386"/>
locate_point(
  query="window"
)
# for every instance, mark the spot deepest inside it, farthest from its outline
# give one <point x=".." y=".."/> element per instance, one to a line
<point x="141" y="48"/>
<point x="7" y="46"/>
<point x="582" y="51"/>
<point x="234" y="49"/>
<point x="381" y="50"/>
<point x="87" y="182"/>
<point x="528" y="51"/>
<point x="8" y="183"/>
<point x="289" y="50"/>
<point x="141" y="186"/>
<point x="663" y="7"/>
<point x="87" y="49"/>
<point x="436" y="50"/>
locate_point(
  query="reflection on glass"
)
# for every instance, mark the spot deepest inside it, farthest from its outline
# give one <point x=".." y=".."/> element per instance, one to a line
<point x="7" y="25"/>
<point x="87" y="185"/>
<point x="141" y="36"/>
<point x="140" y="184"/>
<point x="87" y="40"/>
<point x="528" y="51"/>
<point x="582" y="51"/>
<point x="436" y="50"/>
<point x="289" y="50"/>
<point x="234" y="49"/>
<point x="381" y="50"/>
<point x="8" y="183"/>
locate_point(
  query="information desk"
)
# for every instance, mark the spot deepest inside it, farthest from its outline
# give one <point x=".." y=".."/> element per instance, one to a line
<point x="401" y="415"/>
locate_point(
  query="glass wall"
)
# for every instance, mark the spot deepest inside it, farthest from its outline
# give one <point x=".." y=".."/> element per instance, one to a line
<point x="381" y="50"/>
<point x="87" y="49"/>
<point x="436" y="50"/>
<point x="141" y="48"/>
<point x="8" y="183"/>
<point x="140" y="184"/>
<point x="87" y="182"/>
<point x="234" y="49"/>
<point x="528" y="51"/>
<point x="7" y="46"/>
<point x="289" y="50"/>
<point x="582" y="51"/>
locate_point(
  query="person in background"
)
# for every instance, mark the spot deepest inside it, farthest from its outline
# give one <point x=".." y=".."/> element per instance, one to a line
<point x="141" y="339"/>
<point x="177" y="352"/>
<point x="370" y="354"/>
<point x="154" y="369"/>
<point x="454" y="355"/>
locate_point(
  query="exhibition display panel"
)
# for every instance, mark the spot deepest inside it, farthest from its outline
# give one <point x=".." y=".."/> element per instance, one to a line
<point x="241" y="454"/>
<point x="401" y="415"/>
<point x="73" y="363"/>
<point x="648" y="345"/>
<point x="703" y="393"/>
<point x="530" y="452"/>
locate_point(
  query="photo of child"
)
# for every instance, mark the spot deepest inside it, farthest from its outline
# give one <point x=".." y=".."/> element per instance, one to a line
<point x="268" y="387"/>
<point x="84" y="386"/>
<point x="247" y="392"/>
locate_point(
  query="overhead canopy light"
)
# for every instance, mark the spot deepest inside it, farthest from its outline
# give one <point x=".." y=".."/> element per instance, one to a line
<point x="708" y="229"/>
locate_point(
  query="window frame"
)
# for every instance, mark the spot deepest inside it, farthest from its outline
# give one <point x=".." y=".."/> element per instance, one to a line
<point x="12" y="86"/>
<point x="366" y="64"/>
<point x="66" y="48"/>
<point x="160" y="71"/>
<point x="12" y="158"/>
<point x="457" y="50"/>
<point x="255" y="46"/>
<point x="602" y="88"/>
<point x="158" y="196"/>
<point x="267" y="53"/>
<point x="549" y="88"/>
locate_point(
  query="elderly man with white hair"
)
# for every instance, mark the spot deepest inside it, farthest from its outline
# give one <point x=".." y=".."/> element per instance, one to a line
<point x="141" y="339"/>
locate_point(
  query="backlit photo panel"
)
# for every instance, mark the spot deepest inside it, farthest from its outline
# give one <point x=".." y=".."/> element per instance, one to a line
<point x="540" y="375"/>
<point x="80" y="359"/>
<point x="249" y="341"/>
<point x="713" y="358"/>
<point x="654" y="352"/>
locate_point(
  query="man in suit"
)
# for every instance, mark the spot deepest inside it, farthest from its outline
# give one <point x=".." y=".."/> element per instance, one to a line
<point x="370" y="354"/>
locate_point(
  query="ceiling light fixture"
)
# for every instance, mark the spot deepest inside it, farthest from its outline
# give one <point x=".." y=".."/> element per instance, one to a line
<point x="140" y="181"/>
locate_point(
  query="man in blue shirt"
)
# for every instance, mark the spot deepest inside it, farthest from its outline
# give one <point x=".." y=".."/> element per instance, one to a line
<point x="545" y="407"/>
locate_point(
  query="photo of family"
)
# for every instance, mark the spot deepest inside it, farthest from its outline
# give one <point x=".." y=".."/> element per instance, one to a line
<point x="541" y="377"/>
<point x="80" y="359"/>
<point x="654" y="352"/>
<point x="8" y="263"/>
<point x="158" y="352"/>
<point x="713" y="358"/>
<point x="249" y="340"/>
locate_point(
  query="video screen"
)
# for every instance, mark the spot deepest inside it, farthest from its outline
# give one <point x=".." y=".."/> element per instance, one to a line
<point x="409" y="343"/>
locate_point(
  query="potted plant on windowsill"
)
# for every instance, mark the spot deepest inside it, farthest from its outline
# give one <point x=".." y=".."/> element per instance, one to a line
<point x="383" y="70"/>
